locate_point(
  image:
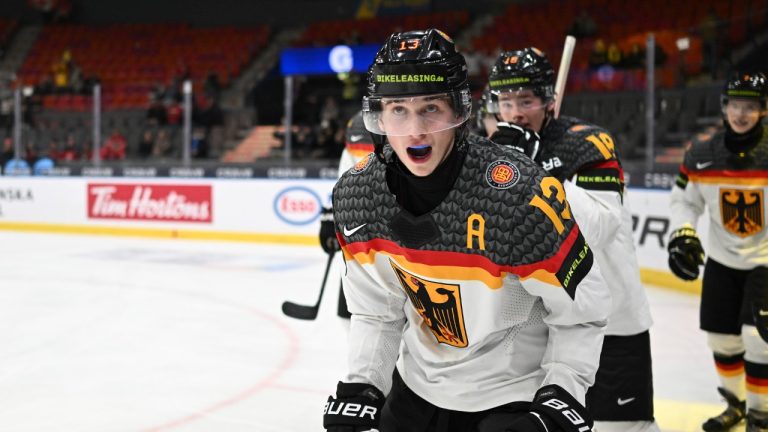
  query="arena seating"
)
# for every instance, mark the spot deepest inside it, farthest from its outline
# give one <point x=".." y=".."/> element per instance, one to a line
<point x="544" y="25"/>
<point x="374" y="30"/>
<point x="130" y="59"/>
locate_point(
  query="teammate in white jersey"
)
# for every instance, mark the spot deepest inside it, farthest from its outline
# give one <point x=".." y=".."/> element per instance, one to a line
<point x="727" y="174"/>
<point x="358" y="144"/>
<point x="582" y="156"/>
<point x="476" y="302"/>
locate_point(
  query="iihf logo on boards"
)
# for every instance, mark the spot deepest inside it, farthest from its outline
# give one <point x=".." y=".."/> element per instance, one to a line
<point x="502" y="174"/>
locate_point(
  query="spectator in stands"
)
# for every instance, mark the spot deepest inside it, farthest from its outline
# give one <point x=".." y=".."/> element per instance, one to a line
<point x="212" y="86"/>
<point x="329" y="113"/>
<point x="30" y="153"/>
<point x="8" y="151"/>
<point x="157" y="114"/>
<point x="583" y="25"/>
<point x="598" y="56"/>
<point x="306" y="141"/>
<point x="199" y="144"/>
<point x="146" y="143"/>
<point x="174" y="112"/>
<point x="69" y="152"/>
<point x="614" y="55"/>
<point x="114" y="147"/>
<point x="87" y="154"/>
<point x="636" y="57"/>
<point x="53" y="150"/>
<point x="162" y="147"/>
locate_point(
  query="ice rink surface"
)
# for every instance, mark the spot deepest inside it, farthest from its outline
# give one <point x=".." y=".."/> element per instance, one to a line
<point x="102" y="334"/>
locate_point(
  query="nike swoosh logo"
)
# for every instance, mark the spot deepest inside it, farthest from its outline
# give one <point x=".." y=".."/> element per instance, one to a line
<point x="355" y="138"/>
<point x="349" y="232"/>
<point x="702" y="165"/>
<point x="621" y="401"/>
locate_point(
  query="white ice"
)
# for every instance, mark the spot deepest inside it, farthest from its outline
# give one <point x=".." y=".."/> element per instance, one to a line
<point x="102" y="334"/>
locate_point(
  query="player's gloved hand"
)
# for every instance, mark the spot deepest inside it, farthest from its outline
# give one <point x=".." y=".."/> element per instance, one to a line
<point x="553" y="410"/>
<point x="356" y="408"/>
<point x="328" y="231"/>
<point x="519" y="138"/>
<point x="685" y="253"/>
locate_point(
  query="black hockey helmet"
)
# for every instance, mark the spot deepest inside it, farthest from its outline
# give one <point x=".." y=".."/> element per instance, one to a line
<point x="523" y="69"/>
<point x="746" y="86"/>
<point x="413" y="64"/>
<point x="485" y="108"/>
<point x="356" y="133"/>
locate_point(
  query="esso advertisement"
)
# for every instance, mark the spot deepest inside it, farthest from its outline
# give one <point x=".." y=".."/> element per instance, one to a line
<point x="150" y="202"/>
<point x="297" y="205"/>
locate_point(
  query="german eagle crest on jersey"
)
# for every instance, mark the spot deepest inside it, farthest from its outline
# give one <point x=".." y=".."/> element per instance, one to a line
<point x="742" y="211"/>
<point x="439" y="304"/>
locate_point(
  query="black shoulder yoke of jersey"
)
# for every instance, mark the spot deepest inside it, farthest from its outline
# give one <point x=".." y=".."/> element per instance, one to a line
<point x="709" y="153"/>
<point x="496" y="185"/>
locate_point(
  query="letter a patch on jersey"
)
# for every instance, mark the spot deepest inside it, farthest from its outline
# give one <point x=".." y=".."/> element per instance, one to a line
<point x="439" y="304"/>
<point x="742" y="211"/>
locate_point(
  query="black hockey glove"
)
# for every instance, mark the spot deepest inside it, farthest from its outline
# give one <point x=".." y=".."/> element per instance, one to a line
<point x="521" y="139"/>
<point x="553" y="410"/>
<point x="328" y="231"/>
<point x="685" y="253"/>
<point x="356" y="408"/>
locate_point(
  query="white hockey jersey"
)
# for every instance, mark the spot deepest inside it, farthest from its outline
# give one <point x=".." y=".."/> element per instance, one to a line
<point x="733" y="190"/>
<point x="481" y="301"/>
<point x="582" y="155"/>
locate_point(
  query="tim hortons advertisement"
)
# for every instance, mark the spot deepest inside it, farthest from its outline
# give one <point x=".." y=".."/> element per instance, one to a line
<point x="150" y="202"/>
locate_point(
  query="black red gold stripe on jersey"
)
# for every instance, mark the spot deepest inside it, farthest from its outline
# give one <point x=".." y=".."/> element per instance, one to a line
<point x="729" y="177"/>
<point x="359" y="150"/>
<point x="565" y="268"/>
<point x="757" y="377"/>
<point x="729" y="366"/>
<point x="604" y="176"/>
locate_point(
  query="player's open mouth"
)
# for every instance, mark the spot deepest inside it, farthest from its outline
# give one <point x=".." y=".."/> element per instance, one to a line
<point x="419" y="153"/>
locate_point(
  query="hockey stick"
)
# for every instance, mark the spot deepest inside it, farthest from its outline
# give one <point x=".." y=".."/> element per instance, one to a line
<point x="304" y="312"/>
<point x="562" y="72"/>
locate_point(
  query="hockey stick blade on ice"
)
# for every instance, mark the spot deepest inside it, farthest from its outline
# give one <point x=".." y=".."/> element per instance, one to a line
<point x="305" y="312"/>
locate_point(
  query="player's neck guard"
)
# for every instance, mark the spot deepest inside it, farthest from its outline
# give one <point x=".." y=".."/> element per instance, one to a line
<point x="741" y="144"/>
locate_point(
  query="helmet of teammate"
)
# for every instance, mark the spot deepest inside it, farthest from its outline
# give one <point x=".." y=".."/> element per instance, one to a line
<point x="746" y="86"/>
<point x="357" y="134"/>
<point x="525" y="69"/>
<point x="743" y="100"/>
<point x="486" y="109"/>
<point x="417" y="65"/>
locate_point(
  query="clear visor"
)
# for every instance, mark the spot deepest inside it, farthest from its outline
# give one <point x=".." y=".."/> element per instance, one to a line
<point x="506" y="101"/>
<point x="416" y="115"/>
<point x="735" y="107"/>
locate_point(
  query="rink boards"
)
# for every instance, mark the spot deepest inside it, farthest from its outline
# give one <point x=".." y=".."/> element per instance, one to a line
<point x="246" y="210"/>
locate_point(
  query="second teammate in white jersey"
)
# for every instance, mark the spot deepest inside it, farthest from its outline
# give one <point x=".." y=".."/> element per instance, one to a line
<point x="727" y="175"/>
<point x="583" y="157"/>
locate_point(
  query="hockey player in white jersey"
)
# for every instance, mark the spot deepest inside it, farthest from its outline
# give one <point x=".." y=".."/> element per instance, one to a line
<point x="582" y="156"/>
<point x="727" y="174"/>
<point x="358" y="144"/>
<point x="476" y="303"/>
